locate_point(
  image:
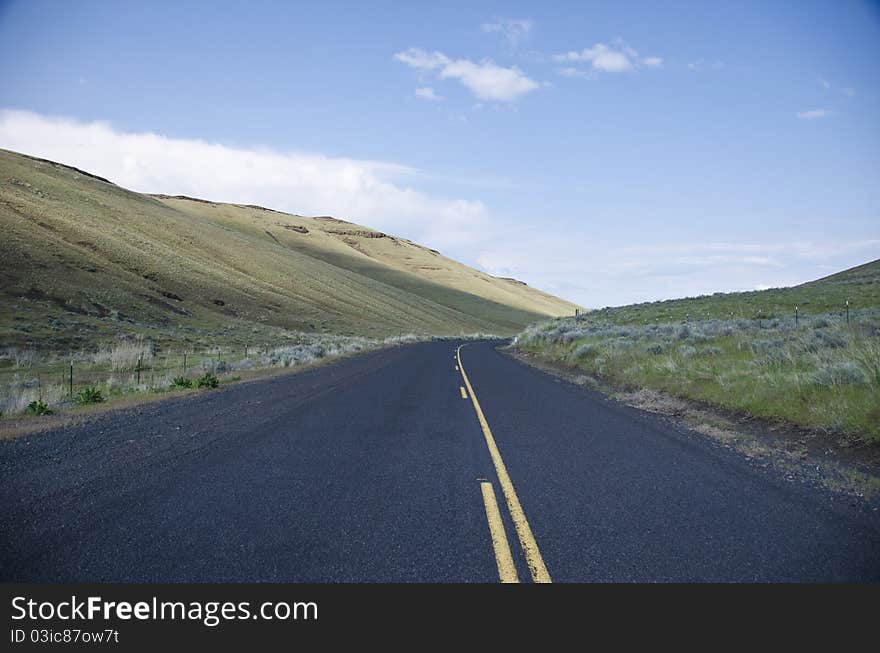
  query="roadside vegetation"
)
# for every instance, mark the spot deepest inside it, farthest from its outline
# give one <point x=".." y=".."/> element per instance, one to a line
<point x="34" y="382"/>
<point x="820" y="371"/>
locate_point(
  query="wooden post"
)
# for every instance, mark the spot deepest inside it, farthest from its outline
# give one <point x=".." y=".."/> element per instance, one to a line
<point x="139" y="369"/>
<point x="184" y="363"/>
<point x="795" y="316"/>
<point x="70" y="380"/>
<point x="847" y="312"/>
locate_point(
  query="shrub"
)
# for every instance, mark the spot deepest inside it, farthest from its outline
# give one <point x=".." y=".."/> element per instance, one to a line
<point x="37" y="407"/>
<point x="868" y="356"/>
<point x="89" y="395"/>
<point x="124" y="355"/>
<point x="181" y="383"/>
<point x="216" y="366"/>
<point x="655" y="348"/>
<point x="24" y="357"/>
<point x="840" y="373"/>
<point x="583" y="351"/>
<point x="587" y="382"/>
<point x="209" y="380"/>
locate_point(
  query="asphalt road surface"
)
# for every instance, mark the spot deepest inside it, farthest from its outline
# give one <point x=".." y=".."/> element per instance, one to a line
<point x="383" y="468"/>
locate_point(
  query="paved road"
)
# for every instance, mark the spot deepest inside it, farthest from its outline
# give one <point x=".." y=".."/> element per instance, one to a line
<point x="378" y="468"/>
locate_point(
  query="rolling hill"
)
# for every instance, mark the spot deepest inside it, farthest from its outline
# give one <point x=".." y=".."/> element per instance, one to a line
<point x="860" y="286"/>
<point x="86" y="260"/>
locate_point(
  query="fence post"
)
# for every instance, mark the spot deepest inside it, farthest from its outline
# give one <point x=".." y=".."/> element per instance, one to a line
<point x="847" y="312"/>
<point x="139" y="369"/>
<point x="184" y="363"/>
<point x="70" y="380"/>
<point x="795" y="316"/>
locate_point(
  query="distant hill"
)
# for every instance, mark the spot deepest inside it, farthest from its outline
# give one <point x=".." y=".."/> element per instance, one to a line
<point x="84" y="260"/>
<point x="859" y="285"/>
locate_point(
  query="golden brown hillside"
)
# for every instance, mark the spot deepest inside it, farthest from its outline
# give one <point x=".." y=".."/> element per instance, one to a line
<point x="85" y="260"/>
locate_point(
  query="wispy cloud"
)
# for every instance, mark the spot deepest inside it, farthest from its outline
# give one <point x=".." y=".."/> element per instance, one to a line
<point x="421" y="59"/>
<point x="375" y="193"/>
<point x="614" y="275"/>
<point x="814" y="114"/>
<point x="485" y="79"/>
<point x="848" y="91"/>
<point x="617" y="58"/>
<point x="514" y="30"/>
<point x="702" y="64"/>
<point x="427" y="93"/>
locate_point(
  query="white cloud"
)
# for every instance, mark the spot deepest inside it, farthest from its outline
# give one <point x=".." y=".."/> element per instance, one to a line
<point x="601" y="57"/>
<point x="515" y="30"/>
<point x="427" y="93"/>
<point x="370" y="192"/>
<point x="813" y="114"/>
<point x="619" y="58"/>
<point x="849" y="91"/>
<point x="570" y="71"/>
<point x="824" y="82"/>
<point x="422" y="60"/>
<point x="486" y="80"/>
<point x="702" y="64"/>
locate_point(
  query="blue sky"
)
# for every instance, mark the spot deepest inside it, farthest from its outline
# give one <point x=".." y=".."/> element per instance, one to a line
<point x="606" y="152"/>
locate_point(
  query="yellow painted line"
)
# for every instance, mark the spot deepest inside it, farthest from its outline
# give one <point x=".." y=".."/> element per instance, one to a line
<point x="503" y="558"/>
<point x="463" y="393"/>
<point x="526" y="539"/>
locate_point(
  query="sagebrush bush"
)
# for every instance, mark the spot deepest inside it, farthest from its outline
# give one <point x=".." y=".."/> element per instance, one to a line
<point x="583" y="351"/>
<point x="840" y="373"/>
<point x="587" y="382"/>
<point x="655" y="348"/>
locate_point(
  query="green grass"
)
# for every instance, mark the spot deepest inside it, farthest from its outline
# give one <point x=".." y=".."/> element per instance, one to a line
<point x="85" y="261"/>
<point x="860" y="286"/>
<point x="818" y="372"/>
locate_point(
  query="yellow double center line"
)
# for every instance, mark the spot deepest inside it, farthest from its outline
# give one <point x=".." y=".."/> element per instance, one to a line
<point x="526" y="539"/>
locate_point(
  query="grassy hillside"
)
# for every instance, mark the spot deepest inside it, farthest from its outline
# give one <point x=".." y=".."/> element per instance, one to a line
<point x="859" y="285"/>
<point x="85" y="261"/>
<point x="742" y="351"/>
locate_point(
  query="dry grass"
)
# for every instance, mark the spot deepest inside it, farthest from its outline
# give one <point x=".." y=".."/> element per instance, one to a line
<point x="85" y="261"/>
